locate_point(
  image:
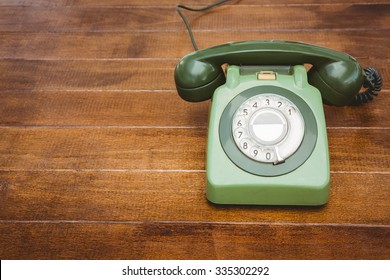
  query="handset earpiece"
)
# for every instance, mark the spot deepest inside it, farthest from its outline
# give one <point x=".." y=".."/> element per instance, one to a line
<point x="337" y="75"/>
<point x="337" y="81"/>
<point x="197" y="80"/>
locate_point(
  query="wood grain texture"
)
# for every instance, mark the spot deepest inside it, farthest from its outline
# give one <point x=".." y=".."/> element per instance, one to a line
<point x="124" y="3"/>
<point x="177" y="196"/>
<point x="147" y="109"/>
<point x="100" y="158"/>
<point x="161" y="149"/>
<point x="120" y="19"/>
<point x="173" y="45"/>
<point x="111" y="75"/>
<point x="177" y="241"/>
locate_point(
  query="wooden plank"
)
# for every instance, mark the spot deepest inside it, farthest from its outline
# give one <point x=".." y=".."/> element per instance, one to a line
<point x="36" y="148"/>
<point x="170" y="197"/>
<point x="137" y="45"/>
<point x="176" y="241"/>
<point x="148" y="109"/>
<point x="123" y="75"/>
<point x="87" y="75"/>
<point x="372" y="114"/>
<point x="124" y="19"/>
<point x="125" y="3"/>
<point x="116" y="148"/>
<point x="367" y="151"/>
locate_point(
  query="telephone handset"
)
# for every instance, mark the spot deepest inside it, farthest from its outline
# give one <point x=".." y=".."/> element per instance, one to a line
<point x="337" y="75"/>
<point x="267" y="141"/>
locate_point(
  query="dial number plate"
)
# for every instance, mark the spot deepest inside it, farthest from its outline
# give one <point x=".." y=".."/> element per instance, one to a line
<point x="268" y="128"/>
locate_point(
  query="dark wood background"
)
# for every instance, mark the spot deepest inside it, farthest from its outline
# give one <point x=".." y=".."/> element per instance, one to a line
<point x="100" y="158"/>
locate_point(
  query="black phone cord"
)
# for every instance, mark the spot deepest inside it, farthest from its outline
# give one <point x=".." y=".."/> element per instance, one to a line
<point x="372" y="83"/>
<point x="178" y="7"/>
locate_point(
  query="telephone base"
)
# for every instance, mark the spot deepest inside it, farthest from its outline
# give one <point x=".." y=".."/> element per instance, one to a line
<point x="236" y="178"/>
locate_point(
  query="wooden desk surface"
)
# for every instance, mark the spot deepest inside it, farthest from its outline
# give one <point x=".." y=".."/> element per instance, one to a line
<point x="100" y="158"/>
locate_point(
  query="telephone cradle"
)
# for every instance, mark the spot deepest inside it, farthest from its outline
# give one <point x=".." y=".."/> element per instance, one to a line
<point x="267" y="142"/>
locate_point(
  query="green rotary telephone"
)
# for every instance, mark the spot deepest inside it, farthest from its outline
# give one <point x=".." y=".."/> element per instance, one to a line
<point x="267" y="142"/>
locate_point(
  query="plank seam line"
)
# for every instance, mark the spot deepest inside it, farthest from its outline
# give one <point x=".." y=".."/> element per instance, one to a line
<point x="230" y="30"/>
<point x="95" y="59"/>
<point x="158" y="127"/>
<point x="117" y="170"/>
<point x="215" y="30"/>
<point x="190" y="223"/>
<point x="103" y="170"/>
<point x="70" y="59"/>
<point x="234" y="6"/>
<point x="100" y="127"/>
<point x="358" y="127"/>
<point x="87" y="90"/>
<point x="199" y="5"/>
<point x="361" y="172"/>
<point x="100" y="90"/>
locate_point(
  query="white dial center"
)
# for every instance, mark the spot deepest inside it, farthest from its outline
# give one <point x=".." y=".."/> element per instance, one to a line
<point x="268" y="126"/>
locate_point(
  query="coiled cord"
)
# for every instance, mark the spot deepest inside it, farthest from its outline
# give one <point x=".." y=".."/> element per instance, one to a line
<point x="372" y="84"/>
